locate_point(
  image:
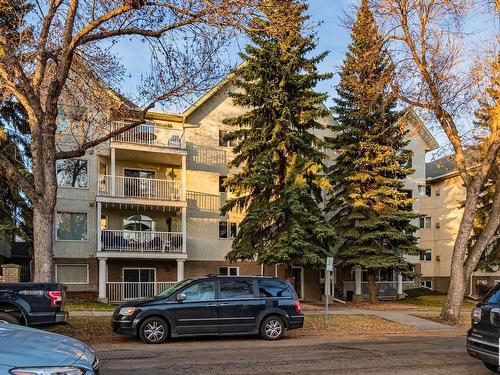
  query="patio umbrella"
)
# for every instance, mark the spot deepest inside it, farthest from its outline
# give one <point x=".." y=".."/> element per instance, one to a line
<point x="138" y="223"/>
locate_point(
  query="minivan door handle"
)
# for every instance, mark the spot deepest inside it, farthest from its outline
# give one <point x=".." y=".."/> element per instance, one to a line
<point x="211" y="304"/>
<point x="224" y="303"/>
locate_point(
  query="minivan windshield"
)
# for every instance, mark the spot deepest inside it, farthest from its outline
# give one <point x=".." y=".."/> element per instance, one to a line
<point x="494" y="296"/>
<point x="174" y="288"/>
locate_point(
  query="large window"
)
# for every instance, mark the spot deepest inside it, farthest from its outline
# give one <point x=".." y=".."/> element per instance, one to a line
<point x="72" y="273"/>
<point x="425" y="222"/>
<point x="236" y="288"/>
<point x="71" y="226"/>
<point x="201" y="291"/>
<point x="228" y="229"/>
<point x="72" y="173"/>
<point x="228" y="271"/>
<point x="273" y="288"/>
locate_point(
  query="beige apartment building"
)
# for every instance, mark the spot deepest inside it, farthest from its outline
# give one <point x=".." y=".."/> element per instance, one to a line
<point x="142" y="211"/>
<point x="440" y="205"/>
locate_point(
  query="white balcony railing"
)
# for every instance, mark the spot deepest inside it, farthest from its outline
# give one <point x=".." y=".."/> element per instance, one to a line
<point x="136" y="187"/>
<point x="151" y="135"/>
<point x="122" y="291"/>
<point x="141" y="241"/>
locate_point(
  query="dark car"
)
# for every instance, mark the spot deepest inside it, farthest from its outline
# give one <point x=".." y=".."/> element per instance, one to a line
<point x="32" y="303"/>
<point x="213" y="305"/>
<point x="483" y="337"/>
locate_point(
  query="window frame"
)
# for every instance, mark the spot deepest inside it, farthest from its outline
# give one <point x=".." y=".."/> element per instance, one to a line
<point x="228" y="268"/>
<point x="196" y="282"/>
<point x="87" y="187"/>
<point x="221" y="188"/>
<point x="226" y="144"/>
<point x="423" y="222"/>
<point x="423" y="284"/>
<point x="233" y="279"/>
<point x="229" y="225"/>
<point x="73" y="264"/>
<point x="71" y="212"/>
<point x="426" y="255"/>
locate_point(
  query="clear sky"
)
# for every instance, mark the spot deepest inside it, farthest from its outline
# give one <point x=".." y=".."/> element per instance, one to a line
<point x="332" y="37"/>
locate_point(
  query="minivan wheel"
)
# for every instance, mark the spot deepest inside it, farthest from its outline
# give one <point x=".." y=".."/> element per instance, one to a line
<point x="491" y="367"/>
<point x="272" y="328"/>
<point x="153" y="330"/>
<point x="7" y="318"/>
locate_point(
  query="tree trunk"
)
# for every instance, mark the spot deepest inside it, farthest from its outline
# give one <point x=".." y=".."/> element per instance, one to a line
<point x="43" y="238"/>
<point x="372" y="286"/>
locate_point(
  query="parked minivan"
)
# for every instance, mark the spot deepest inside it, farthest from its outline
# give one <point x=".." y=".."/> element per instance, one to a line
<point x="213" y="305"/>
<point x="484" y="335"/>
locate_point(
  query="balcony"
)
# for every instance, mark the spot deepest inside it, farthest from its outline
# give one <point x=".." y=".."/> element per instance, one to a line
<point x="151" y="135"/>
<point x="138" y="188"/>
<point x="118" y="292"/>
<point x="127" y="241"/>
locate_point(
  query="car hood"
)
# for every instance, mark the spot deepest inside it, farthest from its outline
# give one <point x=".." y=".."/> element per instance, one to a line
<point x="141" y="301"/>
<point x="23" y="346"/>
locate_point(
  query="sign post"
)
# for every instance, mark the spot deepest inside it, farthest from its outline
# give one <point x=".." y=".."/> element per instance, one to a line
<point x="328" y="291"/>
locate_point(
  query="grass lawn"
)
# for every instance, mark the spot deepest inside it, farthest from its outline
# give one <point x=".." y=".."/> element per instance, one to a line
<point x="432" y="302"/>
<point x="87" y="306"/>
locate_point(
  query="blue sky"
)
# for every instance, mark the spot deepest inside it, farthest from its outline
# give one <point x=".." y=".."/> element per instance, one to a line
<point x="332" y="37"/>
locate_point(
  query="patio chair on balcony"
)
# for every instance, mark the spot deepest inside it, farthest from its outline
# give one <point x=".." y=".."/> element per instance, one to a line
<point x="154" y="244"/>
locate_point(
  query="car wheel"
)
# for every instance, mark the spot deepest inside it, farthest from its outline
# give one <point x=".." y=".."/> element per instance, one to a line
<point x="7" y="318"/>
<point x="493" y="368"/>
<point x="153" y="331"/>
<point x="272" y="328"/>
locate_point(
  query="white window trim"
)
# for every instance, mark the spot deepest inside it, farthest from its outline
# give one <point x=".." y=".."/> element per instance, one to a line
<point x="424" y="253"/>
<point x="77" y="187"/>
<point x="422" y="284"/>
<point x="73" y="264"/>
<point x="228" y="228"/>
<point x="70" y="212"/>
<point x="228" y="267"/>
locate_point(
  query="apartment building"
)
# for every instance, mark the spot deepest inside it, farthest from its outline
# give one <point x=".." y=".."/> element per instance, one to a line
<point x="438" y="228"/>
<point x="142" y="211"/>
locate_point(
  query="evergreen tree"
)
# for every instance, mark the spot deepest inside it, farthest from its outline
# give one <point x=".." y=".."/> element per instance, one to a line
<point x="278" y="184"/>
<point x="370" y="210"/>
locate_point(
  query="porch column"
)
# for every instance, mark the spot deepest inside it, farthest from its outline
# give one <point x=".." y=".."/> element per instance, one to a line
<point x="99" y="237"/>
<point x="400" y="285"/>
<point x="184" y="229"/>
<point x="358" y="277"/>
<point x="180" y="269"/>
<point x="113" y="172"/>
<point x="102" y="280"/>
<point x="183" y="177"/>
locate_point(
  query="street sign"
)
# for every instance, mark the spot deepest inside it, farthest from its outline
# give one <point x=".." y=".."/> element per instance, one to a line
<point x="329" y="264"/>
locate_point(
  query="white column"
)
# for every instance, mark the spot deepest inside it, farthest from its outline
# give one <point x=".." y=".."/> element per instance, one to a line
<point x="358" y="277"/>
<point x="183" y="177"/>
<point x="184" y="229"/>
<point x="180" y="269"/>
<point x="102" y="280"/>
<point x="113" y="172"/>
<point x="400" y="284"/>
<point x="99" y="237"/>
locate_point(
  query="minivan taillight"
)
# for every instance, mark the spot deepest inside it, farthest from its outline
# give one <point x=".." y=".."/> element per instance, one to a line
<point x="297" y="306"/>
<point x="55" y="297"/>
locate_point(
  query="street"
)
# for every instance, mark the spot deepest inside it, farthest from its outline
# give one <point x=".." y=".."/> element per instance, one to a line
<point x="293" y="355"/>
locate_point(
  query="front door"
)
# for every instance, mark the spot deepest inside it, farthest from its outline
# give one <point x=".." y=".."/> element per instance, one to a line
<point x="138" y="283"/>
<point x="199" y="312"/>
<point x="298" y="281"/>
<point x="239" y="306"/>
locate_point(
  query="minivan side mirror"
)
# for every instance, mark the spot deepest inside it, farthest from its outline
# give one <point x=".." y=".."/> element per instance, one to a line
<point x="180" y="297"/>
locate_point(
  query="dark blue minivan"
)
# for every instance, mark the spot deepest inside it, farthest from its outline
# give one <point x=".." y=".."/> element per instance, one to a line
<point x="213" y="305"/>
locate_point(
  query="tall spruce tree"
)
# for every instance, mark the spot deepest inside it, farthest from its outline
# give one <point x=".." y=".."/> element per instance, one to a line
<point x="370" y="210"/>
<point x="280" y="159"/>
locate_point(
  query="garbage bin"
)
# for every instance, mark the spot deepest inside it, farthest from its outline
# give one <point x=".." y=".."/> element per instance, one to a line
<point x="350" y="295"/>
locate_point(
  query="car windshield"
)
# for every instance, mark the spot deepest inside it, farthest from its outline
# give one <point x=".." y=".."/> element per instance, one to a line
<point x="174" y="288"/>
<point x="494" y="296"/>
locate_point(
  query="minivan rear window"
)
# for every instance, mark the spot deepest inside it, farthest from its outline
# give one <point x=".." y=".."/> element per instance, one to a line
<point x="236" y="288"/>
<point x="274" y="288"/>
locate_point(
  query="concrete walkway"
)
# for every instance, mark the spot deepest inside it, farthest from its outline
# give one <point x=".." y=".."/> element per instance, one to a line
<point x="401" y="317"/>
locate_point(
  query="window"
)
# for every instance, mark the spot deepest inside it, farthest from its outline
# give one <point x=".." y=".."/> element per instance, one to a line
<point x="222" y="188"/>
<point x="424" y="190"/>
<point x="222" y="142"/>
<point x="202" y="291"/>
<point x="228" y="229"/>
<point x="426" y="255"/>
<point x="72" y="173"/>
<point x="426" y="284"/>
<point x="229" y="271"/>
<point x="425" y="222"/>
<point x="408" y="155"/>
<point x="236" y="288"/>
<point x="494" y="297"/>
<point x="72" y="273"/>
<point x="71" y="226"/>
<point x="273" y="288"/>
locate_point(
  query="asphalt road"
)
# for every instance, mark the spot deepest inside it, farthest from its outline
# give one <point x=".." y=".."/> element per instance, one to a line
<point x="292" y="355"/>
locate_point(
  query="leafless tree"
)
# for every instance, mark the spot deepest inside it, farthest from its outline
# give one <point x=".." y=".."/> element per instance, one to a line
<point x="49" y="50"/>
<point x="443" y="75"/>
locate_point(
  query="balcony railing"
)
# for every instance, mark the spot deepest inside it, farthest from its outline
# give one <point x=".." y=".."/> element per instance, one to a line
<point x="385" y="289"/>
<point x="151" y="135"/>
<point x="141" y="241"/>
<point x="136" y="187"/>
<point x="122" y="291"/>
